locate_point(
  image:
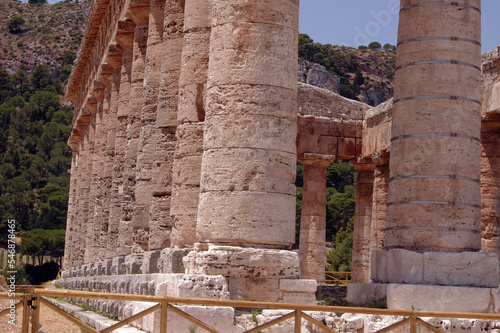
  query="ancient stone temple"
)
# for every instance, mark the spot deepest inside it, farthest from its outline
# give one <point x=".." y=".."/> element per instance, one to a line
<point x="189" y="122"/>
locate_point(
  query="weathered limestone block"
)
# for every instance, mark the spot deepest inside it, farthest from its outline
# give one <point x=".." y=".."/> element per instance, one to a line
<point x="438" y="268"/>
<point x="220" y="318"/>
<point x="150" y="262"/>
<point x="231" y="261"/>
<point x="170" y="260"/>
<point x="364" y="293"/>
<point x="461" y="269"/>
<point x="133" y="263"/>
<point x="265" y="216"/>
<point x="438" y="298"/>
<point x="193" y="285"/>
<point x="379" y="207"/>
<point x="397" y="266"/>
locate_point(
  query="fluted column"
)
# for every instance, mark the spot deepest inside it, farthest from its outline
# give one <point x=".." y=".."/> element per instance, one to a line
<point x="133" y="234"/>
<point x="190" y="120"/>
<point x="360" y="264"/>
<point x="313" y="219"/>
<point x="434" y="193"/>
<point x="124" y="37"/>
<point x="249" y="158"/>
<point x="164" y="139"/>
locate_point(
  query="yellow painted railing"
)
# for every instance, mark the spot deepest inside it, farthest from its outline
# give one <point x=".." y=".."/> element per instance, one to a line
<point x="166" y="304"/>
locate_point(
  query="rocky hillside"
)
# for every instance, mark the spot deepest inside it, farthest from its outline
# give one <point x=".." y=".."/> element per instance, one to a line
<point x="49" y="33"/>
<point x="365" y="74"/>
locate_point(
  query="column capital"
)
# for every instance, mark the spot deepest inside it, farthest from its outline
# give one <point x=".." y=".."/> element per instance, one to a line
<point x="115" y="56"/>
<point x="363" y="164"/>
<point x="317" y="159"/>
<point x="125" y="33"/>
<point x="381" y="158"/>
<point x="138" y="11"/>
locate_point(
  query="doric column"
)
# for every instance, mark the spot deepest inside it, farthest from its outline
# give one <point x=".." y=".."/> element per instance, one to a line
<point x="313" y="219"/>
<point x="72" y="208"/>
<point x="97" y="195"/>
<point x="190" y="121"/>
<point x="115" y="55"/>
<point x="246" y="212"/>
<point x="379" y="209"/>
<point x="249" y="158"/>
<point x="164" y="139"/>
<point x="434" y="193"/>
<point x="133" y="235"/>
<point x="124" y="37"/>
<point x="490" y="183"/>
<point x="86" y="158"/>
<point x="145" y="154"/>
<point x="360" y="264"/>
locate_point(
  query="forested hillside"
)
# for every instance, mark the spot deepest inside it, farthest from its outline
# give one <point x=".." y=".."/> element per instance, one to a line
<point x="34" y="156"/>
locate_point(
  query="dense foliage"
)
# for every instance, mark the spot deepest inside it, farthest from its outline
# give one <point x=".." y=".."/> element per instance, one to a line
<point x="34" y="156"/>
<point x="340" y="203"/>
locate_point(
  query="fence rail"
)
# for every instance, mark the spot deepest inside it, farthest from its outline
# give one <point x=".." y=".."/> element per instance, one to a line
<point x="337" y="278"/>
<point x="166" y="304"/>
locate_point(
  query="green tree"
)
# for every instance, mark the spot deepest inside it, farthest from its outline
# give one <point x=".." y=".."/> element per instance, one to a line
<point x="15" y="24"/>
<point x="389" y="47"/>
<point x="374" y="46"/>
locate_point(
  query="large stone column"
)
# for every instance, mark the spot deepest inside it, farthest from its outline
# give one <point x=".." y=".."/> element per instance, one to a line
<point x="145" y="154"/>
<point x="313" y="219"/>
<point x="97" y="192"/>
<point x="434" y="203"/>
<point x="434" y="192"/>
<point x="134" y="234"/>
<point x="124" y="37"/>
<point x="166" y="123"/>
<point x="379" y="206"/>
<point x="246" y="213"/>
<point x="360" y="264"/>
<point x="190" y="120"/>
<point x="490" y="183"/>
<point x="72" y="208"/>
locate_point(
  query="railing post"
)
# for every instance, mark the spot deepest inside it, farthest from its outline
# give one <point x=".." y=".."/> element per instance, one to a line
<point x="35" y="318"/>
<point x="26" y="313"/>
<point x="413" y="323"/>
<point x="163" y="320"/>
<point x="298" y="320"/>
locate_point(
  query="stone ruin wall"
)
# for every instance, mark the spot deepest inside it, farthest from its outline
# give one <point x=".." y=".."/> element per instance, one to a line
<point x="184" y="158"/>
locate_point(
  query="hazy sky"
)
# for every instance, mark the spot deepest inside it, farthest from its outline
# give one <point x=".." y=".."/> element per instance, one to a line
<point x="356" y="22"/>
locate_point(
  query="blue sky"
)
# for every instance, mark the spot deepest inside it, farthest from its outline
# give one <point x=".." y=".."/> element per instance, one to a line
<point x="355" y="22"/>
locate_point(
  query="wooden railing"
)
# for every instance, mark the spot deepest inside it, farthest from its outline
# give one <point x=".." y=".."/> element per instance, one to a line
<point x="337" y="278"/>
<point x="166" y="304"/>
